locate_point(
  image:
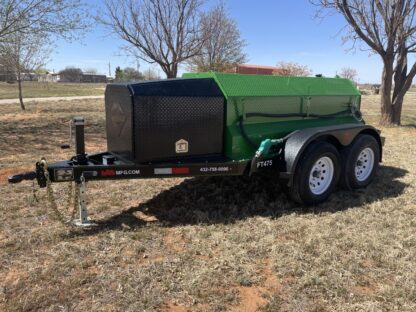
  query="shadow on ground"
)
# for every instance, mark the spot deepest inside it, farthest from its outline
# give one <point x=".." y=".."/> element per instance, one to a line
<point x="228" y="199"/>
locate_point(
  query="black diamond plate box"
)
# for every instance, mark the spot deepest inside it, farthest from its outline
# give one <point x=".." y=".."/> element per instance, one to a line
<point x="162" y="120"/>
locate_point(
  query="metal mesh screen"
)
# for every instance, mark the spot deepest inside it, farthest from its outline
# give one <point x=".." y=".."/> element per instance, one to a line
<point x="161" y="121"/>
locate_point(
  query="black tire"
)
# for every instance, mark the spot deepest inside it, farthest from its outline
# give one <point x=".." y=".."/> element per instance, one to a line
<point x="350" y="158"/>
<point x="301" y="191"/>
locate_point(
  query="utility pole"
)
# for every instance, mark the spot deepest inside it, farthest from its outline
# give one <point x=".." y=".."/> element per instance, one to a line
<point x="109" y="69"/>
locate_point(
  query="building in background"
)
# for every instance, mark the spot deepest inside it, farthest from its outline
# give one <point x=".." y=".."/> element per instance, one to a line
<point x="94" y="78"/>
<point x="80" y="77"/>
<point x="7" y="76"/>
<point x="254" y="69"/>
<point x="49" y="77"/>
<point x="10" y="76"/>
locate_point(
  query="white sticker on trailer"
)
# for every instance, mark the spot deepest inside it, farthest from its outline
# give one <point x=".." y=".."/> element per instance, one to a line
<point x="64" y="174"/>
<point x="163" y="170"/>
<point x="181" y="146"/>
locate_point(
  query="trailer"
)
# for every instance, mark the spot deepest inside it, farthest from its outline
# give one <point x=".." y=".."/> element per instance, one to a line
<point x="307" y="130"/>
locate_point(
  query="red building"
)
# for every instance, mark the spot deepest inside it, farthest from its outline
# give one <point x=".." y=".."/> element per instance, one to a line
<point x="255" y="69"/>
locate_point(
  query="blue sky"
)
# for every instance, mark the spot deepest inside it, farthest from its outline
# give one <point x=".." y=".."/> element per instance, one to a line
<point x="274" y="30"/>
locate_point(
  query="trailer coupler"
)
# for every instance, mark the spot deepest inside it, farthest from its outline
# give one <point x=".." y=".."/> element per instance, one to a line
<point x="17" y="178"/>
<point x="38" y="174"/>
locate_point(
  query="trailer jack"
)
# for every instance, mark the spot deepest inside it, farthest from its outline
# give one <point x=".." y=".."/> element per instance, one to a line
<point x="78" y="124"/>
<point x="78" y="198"/>
<point x="43" y="172"/>
<point x="82" y="204"/>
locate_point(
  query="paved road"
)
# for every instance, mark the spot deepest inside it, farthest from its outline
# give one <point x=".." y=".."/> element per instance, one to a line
<point x="48" y="99"/>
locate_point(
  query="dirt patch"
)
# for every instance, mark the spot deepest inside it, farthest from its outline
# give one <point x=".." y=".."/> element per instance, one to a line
<point x="172" y="307"/>
<point x="6" y="172"/>
<point x="271" y="282"/>
<point x="174" y="241"/>
<point x="3" y="238"/>
<point x="142" y="216"/>
<point x="251" y="299"/>
<point x="364" y="290"/>
<point x="19" y="117"/>
<point x="12" y="276"/>
<point x="95" y="146"/>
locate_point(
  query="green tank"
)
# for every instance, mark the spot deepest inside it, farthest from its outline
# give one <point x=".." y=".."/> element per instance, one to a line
<point x="260" y="107"/>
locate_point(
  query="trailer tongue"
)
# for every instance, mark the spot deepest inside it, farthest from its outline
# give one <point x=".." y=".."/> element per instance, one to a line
<point x="107" y="166"/>
<point x="309" y="131"/>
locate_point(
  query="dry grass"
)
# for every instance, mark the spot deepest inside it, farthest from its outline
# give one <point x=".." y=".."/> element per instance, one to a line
<point x="35" y="89"/>
<point x="204" y="244"/>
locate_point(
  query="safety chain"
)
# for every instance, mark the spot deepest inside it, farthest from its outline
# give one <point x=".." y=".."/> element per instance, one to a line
<point x="69" y="194"/>
<point x="75" y="203"/>
<point x="34" y="198"/>
<point x="51" y="198"/>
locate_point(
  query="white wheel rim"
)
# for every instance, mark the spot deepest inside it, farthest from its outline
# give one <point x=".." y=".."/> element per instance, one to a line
<point x="321" y="175"/>
<point x="364" y="164"/>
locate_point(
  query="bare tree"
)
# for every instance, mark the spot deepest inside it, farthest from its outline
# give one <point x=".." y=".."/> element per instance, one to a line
<point x="387" y="27"/>
<point x="349" y="73"/>
<point x="60" y="17"/>
<point x="223" y="48"/>
<point x="291" y="69"/>
<point x="24" y="55"/>
<point x="132" y="74"/>
<point x="150" y="74"/>
<point x="28" y="26"/>
<point x="6" y="72"/>
<point x="163" y="32"/>
<point x="71" y="74"/>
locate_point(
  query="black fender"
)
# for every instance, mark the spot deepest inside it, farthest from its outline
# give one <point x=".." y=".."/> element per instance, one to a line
<point x="338" y="135"/>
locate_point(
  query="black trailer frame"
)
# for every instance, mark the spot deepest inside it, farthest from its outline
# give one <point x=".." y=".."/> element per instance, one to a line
<point x="82" y="168"/>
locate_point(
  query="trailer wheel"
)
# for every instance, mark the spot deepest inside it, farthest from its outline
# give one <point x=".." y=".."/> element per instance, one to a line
<point x="317" y="174"/>
<point x="360" y="159"/>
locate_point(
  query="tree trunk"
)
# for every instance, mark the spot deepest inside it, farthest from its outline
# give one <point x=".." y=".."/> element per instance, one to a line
<point x="386" y="87"/>
<point x="174" y="70"/>
<point x="400" y="76"/>
<point x="171" y="70"/>
<point x="170" y="74"/>
<point x="19" y="84"/>
<point x="397" y="111"/>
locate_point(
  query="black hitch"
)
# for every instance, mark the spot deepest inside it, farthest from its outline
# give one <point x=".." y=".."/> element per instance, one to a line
<point x="40" y="174"/>
<point x="17" y="178"/>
